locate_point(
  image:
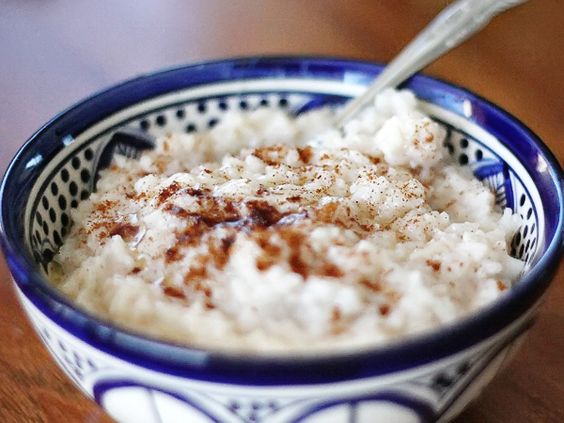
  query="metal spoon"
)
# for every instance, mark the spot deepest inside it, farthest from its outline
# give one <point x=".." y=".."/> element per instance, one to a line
<point x="450" y="28"/>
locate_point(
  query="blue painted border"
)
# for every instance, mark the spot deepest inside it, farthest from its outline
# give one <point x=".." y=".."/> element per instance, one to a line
<point x="263" y="369"/>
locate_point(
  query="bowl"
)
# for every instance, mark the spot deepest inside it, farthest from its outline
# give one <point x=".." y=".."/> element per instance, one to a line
<point x="431" y="376"/>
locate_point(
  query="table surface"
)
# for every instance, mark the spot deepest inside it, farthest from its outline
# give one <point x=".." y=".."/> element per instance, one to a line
<point x="56" y="52"/>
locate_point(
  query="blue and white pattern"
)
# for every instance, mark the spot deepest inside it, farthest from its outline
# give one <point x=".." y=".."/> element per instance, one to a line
<point x="136" y="379"/>
<point x="132" y="394"/>
<point x="76" y="173"/>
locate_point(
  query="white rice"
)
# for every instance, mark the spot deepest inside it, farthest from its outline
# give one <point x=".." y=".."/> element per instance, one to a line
<point x="271" y="234"/>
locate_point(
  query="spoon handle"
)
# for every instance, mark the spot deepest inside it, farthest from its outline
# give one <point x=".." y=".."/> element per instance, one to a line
<point x="450" y="28"/>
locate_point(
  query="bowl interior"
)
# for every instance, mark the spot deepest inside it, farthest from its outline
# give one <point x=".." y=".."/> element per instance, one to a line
<point x="69" y="176"/>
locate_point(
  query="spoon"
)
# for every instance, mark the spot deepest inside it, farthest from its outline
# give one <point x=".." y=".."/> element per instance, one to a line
<point x="451" y="27"/>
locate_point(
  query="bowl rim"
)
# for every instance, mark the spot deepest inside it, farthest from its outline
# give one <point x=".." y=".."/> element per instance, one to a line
<point x="283" y="369"/>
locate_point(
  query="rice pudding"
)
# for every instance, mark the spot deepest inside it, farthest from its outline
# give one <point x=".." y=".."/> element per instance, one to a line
<point x="271" y="233"/>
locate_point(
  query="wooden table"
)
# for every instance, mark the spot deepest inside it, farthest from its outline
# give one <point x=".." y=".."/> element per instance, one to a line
<point x="54" y="53"/>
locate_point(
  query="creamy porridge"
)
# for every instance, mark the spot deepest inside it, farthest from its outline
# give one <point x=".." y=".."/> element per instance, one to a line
<point x="270" y="233"/>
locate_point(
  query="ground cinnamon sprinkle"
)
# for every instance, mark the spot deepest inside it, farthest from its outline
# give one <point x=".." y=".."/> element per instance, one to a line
<point x="295" y="239"/>
<point x="220" y="253"/>
<point x="196" y="272"/>
<point x="263" y="214"/>
<point x="331" y="270"/>
<point x="174" y="292"/>
<point x="264" y="263"/>
<point x="305" y="154"/>
<point x="172" y="254"/>
<point x="263" y="239"/>
<point x="375" y="160"/>
<point x="326" y="213"/>
<point x="126" y="230"/>
<point x="270" y="252"/>
<point x="168" y="192"/>
<point x="434" y="264"/>
<point x="336" y="315"/>
<point x="261" y="191"/>
<point x="196" y="192"/>
<point x="201" y="287"/>
<point x="371" y="285"/>
<point x="175" y="210"/>
<point x="270" y="155"/>
<point x="105" y="206"/>
<point x="191" y="234"/>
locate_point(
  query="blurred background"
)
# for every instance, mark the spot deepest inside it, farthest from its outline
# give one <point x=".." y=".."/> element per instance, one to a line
<point x="55" y="52"/>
